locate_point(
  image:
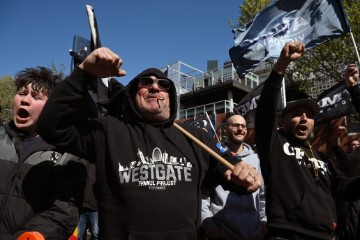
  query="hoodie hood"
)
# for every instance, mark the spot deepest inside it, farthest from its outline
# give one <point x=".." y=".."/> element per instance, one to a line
<point x="247" y="150"/>
<point x="132" y="88"/>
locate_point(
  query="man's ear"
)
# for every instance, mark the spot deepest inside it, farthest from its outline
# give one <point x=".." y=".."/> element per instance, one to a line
<point x="281" y="122"/>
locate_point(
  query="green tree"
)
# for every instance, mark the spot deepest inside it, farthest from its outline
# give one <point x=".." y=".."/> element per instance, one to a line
<point x="60" y="70"/>
<point x="7" y="91"/>
<point x="249" y="9"/>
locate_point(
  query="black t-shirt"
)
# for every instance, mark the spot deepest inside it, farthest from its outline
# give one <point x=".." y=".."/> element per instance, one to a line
<point x="29" y="144"/>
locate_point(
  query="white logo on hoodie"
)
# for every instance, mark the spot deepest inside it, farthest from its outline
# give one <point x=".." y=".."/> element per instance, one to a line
<point x="156" y="172"/>
<point x="299" y="154"/>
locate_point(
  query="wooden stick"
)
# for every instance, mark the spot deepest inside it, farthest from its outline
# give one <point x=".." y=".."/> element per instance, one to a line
<point x="209" y="150"/>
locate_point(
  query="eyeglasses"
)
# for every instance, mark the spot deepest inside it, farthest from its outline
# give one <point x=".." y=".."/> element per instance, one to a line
<point x="238" y="125"/>
<point x="147" y="82"/>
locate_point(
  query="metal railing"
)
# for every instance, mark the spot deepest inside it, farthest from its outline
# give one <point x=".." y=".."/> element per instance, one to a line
<point x="192" y="79"/>
<point x="215" y="107"/>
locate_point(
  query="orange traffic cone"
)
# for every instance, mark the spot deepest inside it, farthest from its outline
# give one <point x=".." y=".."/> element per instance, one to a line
<point x="31" y="236"/>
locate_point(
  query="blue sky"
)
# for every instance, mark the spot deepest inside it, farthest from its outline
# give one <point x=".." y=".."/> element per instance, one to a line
<point x="144" y="33"/>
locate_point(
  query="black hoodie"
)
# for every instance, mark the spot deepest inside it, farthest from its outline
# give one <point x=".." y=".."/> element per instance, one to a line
<point x="297" y="202"/>
<point x="148" y="174"/>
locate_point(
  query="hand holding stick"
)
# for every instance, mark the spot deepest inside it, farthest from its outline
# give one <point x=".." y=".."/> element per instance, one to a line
<point x="243" y="174"/>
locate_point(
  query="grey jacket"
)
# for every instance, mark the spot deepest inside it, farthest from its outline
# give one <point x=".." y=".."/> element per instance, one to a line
<point x="40" y="189"/>
<point x="230" y="215"/>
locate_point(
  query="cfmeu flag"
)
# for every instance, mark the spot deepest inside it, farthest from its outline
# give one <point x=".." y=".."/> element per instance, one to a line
<point x="334" y="102"/>
<point x="248" y="104"/>
<point x="311" y="22"/>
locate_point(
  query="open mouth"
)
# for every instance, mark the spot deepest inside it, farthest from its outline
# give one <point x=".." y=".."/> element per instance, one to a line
<point x="152" y="96"/>
<point x="22" y="113"/>
<point x="302" y="129"/>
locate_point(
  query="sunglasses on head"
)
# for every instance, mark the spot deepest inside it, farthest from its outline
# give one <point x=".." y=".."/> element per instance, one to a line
<point x="147" y="82"/>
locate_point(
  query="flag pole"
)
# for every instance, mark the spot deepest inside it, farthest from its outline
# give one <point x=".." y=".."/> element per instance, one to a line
<point x="206" y="148"/>
<point x="356" y="50"/>
<point x="212" y="126"/>
<point x="283" y="92"/>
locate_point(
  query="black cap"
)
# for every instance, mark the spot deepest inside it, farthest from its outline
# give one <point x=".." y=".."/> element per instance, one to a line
<point x="308" y="102"/>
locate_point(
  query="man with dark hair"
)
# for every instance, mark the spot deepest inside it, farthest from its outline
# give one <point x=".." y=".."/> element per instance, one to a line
<point x="354" y="144"/>
<point x="148" y="172"/>
<point x="40" y="186"/>
<point x="300" y="181"/>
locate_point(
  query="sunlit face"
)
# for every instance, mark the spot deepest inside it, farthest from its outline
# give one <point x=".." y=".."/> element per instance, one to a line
<point x="153" y="102"/>
<point x="236" y="129"/>
<point x="299" y="122"/>
<point x="27" y="106"/>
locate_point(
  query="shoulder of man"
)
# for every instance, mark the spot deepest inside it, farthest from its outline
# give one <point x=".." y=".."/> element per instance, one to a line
<point x="57" y="157"/>
<point x="7" y="146"/>
<point x="65" y="158"/>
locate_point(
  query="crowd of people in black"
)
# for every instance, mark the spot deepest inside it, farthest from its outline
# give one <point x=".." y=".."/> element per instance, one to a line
<point x="152" y="180"/>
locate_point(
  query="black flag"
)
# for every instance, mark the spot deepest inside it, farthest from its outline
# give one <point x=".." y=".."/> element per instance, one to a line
<point x="312" y="22"/>
<point x="248" y="104"/>
<point x="334" y="102"/>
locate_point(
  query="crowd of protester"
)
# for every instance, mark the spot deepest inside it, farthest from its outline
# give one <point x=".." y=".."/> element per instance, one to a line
<point x="130" y="172"/>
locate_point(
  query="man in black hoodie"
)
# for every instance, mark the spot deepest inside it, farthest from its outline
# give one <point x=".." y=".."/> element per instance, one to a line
<point x="300" y="181"/>
<point x="148" y="172"/>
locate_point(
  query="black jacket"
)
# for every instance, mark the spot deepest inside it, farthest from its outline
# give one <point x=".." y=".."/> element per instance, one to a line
<point x="39" y="191"/>
<point x="148" y="174"/>
<point x="90" y="202"/>
<point x="348" y="227"/>
<point x="295" y="201"/>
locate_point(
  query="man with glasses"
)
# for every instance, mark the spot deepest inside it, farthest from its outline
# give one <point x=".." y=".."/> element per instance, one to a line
<point x="148" y="172"/>
<point x="228" y="214"/>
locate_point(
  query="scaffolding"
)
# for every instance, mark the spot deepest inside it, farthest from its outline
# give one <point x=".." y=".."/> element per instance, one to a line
<point x="188" y="79"/>
<point x="183" y="76"/>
